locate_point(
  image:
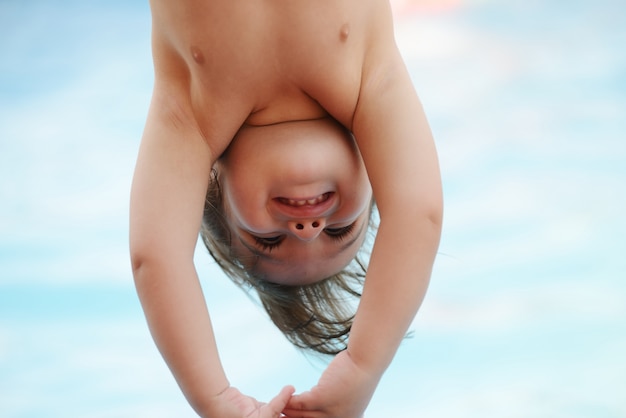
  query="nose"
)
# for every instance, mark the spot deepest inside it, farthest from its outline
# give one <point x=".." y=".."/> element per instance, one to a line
<point x="307" y="230"/>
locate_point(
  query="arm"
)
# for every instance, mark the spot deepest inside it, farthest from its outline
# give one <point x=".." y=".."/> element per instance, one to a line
<point x="167" y="202"/>
<point x="166" y="209"/>
<point x="399" y="152"/>
<point x="397" y="146"/>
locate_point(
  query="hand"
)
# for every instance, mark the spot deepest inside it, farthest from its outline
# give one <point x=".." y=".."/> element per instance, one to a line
<point x="343" y="391"/>
<point x="234" y="404"/>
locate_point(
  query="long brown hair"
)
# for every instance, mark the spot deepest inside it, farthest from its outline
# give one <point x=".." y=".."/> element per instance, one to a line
<point x="316" y="317"/>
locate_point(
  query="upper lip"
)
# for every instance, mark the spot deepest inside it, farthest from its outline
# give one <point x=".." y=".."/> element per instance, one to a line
<point x="294" y="208"/>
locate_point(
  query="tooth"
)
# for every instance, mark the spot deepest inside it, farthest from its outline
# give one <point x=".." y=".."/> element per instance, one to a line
<point x="303" y="202"/>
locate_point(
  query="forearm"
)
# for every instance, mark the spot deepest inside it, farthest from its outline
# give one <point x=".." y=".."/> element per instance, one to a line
<point x="179" y="321"/>
<point x="396" y="282"/>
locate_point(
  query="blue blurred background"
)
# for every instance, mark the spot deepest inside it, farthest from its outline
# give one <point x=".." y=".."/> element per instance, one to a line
<point x="526" y="314"/>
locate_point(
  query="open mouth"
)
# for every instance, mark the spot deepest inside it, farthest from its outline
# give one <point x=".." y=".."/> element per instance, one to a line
<point x="305" y="202"/>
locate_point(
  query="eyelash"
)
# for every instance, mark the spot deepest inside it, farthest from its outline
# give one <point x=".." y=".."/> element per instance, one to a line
<point x="339" y="234"/>
<point x="336" y="234"/>
<point x="268" y="244"/>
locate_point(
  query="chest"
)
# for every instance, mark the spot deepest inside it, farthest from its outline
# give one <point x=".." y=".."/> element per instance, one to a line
<point x="278" y="65"/>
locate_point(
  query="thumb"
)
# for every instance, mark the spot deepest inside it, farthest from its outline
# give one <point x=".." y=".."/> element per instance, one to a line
<point x="276" y="405"/>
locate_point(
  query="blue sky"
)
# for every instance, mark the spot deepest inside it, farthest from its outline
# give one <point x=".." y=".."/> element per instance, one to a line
<point x="527" y="308"/>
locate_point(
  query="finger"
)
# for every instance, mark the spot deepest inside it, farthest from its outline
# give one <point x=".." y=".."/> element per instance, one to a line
<point x="279" y="402"/>
<point x="304" y="405"/>
<point x="293" y="413"/>
<point x="299" y="413"/>
<point x="303" y="401"/>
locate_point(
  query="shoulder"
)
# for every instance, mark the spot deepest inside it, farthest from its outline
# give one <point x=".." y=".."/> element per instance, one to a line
<point x="196" y="82"/>
<point x="357" y="45"/>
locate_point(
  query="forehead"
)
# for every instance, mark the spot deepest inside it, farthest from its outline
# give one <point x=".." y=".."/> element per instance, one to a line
<point x="302" y="272"/>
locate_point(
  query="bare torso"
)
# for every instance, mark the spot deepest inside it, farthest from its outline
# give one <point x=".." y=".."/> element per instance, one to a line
<point x="262" y="62"/>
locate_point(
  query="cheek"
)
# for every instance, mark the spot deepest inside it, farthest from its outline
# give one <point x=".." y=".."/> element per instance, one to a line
<point x="245" y="209"/>
<point x="252" y="220"/>
<point x="360" y="193"/>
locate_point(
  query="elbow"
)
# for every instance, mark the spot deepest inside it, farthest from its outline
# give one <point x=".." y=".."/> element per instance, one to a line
<point x="153" y="262"/>
<point x="429" y="222"/>
<point x="434" y="214"/>
<point x="142" y="260"/>
<point x="416" y="212"/>
<point x="429" y="208"/>
<point x="138" y="262"/>
<point x="147" y="271"/>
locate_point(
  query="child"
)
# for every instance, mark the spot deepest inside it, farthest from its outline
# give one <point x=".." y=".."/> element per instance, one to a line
<point x="282" y="247"/>
<point x="295" y="186"/>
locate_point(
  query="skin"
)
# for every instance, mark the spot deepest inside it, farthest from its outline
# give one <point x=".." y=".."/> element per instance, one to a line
<point x="297" y="199"/>
<point x="220" y="65"/>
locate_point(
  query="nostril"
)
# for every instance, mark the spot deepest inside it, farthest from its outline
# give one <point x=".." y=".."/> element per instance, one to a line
<point x="299" y="226"/>
<point x="316" y="224"/>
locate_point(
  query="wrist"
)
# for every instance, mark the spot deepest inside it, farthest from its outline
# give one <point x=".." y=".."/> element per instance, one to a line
<point x="209" y="404"/>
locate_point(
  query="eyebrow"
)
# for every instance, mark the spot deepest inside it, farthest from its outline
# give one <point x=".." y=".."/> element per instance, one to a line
<point x="267" y="257"/>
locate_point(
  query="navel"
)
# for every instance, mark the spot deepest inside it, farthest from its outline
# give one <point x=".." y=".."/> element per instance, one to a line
<point x="344" y="32"/>
<point x="197" y="55"/>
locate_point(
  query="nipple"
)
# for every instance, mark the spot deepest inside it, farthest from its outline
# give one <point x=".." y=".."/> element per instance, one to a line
<point x="197" y="55"/>
<point x="344" y="32"/>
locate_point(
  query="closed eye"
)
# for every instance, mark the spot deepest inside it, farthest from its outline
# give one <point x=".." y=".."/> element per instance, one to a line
<point x="340" y="234"/>
<point x="268" y="243"/>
